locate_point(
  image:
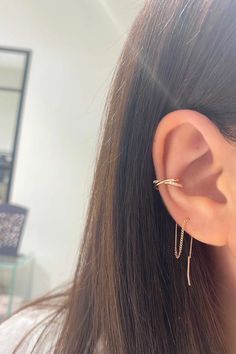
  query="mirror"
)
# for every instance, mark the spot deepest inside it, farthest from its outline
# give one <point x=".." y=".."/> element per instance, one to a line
<point x="14" y="65"/>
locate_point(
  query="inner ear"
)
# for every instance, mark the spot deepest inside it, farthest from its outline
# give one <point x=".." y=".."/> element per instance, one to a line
<point x="195" y="160"/>
<point x="206" y="184"/>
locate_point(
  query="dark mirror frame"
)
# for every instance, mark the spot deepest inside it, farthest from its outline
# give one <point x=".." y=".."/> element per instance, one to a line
<point x="22" y="91"/>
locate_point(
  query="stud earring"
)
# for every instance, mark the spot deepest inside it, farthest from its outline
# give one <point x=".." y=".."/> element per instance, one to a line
<point x="175" y="182"/>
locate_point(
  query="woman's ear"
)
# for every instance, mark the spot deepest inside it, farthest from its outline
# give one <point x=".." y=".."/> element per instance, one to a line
<point x="188" y="146"/>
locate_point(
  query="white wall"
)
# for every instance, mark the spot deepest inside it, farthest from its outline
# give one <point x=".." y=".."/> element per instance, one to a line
<point x="75" y="46"/>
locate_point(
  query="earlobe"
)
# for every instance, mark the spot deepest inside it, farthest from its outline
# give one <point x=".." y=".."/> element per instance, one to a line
<point x="188" y="146"/>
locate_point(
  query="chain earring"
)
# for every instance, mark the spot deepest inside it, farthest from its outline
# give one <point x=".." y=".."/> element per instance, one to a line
<point x="175" y="182"/>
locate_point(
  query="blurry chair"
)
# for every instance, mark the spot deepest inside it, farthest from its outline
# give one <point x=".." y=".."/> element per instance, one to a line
<point x="12" y="220"/>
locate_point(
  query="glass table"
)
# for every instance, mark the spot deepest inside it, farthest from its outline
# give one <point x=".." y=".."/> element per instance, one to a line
<point x="16" y="275"/>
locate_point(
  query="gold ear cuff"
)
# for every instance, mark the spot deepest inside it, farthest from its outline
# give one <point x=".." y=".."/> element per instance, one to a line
<point x="175" y="182"/>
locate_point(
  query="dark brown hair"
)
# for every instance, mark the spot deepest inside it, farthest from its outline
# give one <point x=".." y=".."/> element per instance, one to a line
<point x="128" y="289"/>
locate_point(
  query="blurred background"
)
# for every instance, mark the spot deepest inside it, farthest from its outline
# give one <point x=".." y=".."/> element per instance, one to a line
<point x="57" y="58"/>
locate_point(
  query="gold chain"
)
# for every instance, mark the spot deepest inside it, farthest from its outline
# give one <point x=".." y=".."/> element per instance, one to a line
<point x="177" y="254"/>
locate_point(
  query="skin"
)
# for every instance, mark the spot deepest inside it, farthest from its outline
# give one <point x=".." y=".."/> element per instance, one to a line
<point x="188" y="146"/>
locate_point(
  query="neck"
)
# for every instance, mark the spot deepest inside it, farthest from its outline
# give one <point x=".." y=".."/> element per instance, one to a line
<point x="226" y="276"/>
